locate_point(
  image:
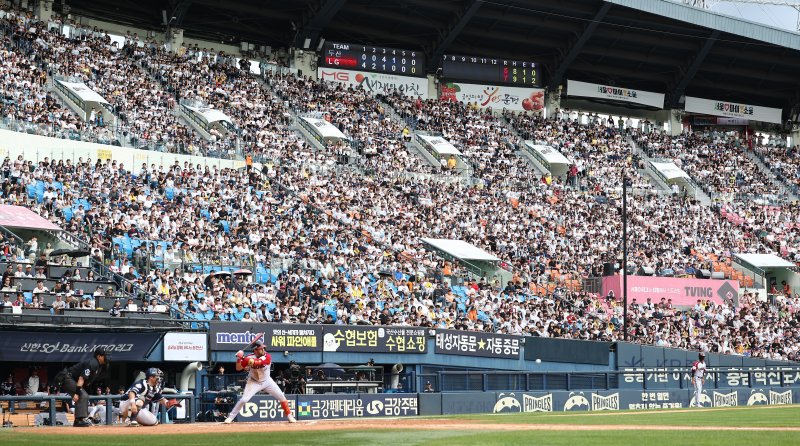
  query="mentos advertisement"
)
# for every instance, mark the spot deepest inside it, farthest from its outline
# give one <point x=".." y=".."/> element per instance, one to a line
<point x="416" y="87"/>
<point x="685" y="292"/>
<point x="494" y="97"/>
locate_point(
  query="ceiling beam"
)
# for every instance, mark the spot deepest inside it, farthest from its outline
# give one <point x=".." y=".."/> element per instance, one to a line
<point x="447" y="35"/>
<point x="682" y="80"/>
<point x="310" y="30"/>
<point x="576" y="48"/>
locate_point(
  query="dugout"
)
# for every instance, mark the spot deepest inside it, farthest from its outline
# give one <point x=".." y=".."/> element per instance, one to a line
<point x="766" y="269"/>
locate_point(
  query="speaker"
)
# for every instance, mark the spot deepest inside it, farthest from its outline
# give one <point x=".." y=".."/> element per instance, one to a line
<point x="646" y="271"/>
<point x="718" y="275"/>
<point x="608" y="269"/>
<point x="703" y="274"/>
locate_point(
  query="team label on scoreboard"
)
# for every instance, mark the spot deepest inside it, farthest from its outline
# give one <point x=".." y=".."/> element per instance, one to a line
<point x="450" y="342"/>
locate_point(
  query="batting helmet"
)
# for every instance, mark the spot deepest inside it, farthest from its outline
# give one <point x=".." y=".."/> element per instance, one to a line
<point x="258" y="344"/>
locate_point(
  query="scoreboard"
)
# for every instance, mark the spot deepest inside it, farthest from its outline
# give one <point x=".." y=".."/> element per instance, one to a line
<point x="349" y="56"/>
<point x="491" y="70"/>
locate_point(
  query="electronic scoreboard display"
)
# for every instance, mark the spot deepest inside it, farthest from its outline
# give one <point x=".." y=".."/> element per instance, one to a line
<point x="491" y="70"/>
<point x="350" y="56"/>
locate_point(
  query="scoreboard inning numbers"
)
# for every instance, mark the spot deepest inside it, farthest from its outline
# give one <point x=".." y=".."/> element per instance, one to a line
<point x="349" y="56"/>
<point x="493" y="70"/>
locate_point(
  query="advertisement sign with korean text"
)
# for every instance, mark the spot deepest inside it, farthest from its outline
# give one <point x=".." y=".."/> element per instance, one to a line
<point x="494" y="96"/>
<point x="615" y="93"/>
<point x="451" y="342"/>
<point x="416" y="87"/>
<point x="733" y="109"/>
<point x="36" y="346"/>
<point x="185" y="347"/>
<point x="683" y="292"/>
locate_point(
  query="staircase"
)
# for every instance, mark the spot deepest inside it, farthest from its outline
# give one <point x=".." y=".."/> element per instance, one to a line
<point x="693" y="189"/>
<point x="522" y="151"/>
<point x="787" y="192"/>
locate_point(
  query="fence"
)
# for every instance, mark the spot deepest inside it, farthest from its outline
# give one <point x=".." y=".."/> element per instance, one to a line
<point x="641" y="379"/>
<point x="16" y="404"/>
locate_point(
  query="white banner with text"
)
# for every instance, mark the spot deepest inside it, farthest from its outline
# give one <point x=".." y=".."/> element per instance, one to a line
<point x="733" y="110"/>
<point x="576" y="88"/>
<point x="185" y="347"/>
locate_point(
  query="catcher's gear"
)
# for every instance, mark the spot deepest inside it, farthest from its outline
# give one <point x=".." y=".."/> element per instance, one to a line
<point x="154" y="371"/>
<point x="173" y="403"/>
<point x="146" y="418"/>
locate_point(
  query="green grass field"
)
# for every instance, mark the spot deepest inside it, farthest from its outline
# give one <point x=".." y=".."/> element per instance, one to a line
<point x="711" y="427"/>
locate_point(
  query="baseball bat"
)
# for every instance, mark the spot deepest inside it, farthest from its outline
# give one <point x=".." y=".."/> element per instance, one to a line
<point x="257" y="338"/>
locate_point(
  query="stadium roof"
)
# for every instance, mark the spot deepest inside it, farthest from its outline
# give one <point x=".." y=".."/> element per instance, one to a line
<point x="651" y="45"/>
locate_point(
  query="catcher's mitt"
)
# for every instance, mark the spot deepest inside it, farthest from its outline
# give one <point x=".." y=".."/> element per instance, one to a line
<point x="173" y="403"/>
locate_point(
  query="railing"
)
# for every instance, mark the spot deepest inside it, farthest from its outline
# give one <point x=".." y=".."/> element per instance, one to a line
<point x="640" y="379"/>
<point x="13" y="402"/>
<point x="41" y="320"/>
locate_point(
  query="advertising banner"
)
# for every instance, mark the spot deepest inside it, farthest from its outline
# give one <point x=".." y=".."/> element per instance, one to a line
<point x="382" y="83"/>
<point x="683" y="292"/>
<point x="372" y="339"/>
<point x="234" y="336"/>
<point x="35" y="346"/>
<point x="733" y="110"/>
<point x="315" y="407"/>
<point x="494" y="96"/>
<point x="575" y="88"/>
<point x="185" y="347"/>
<point x="450" y="342"/>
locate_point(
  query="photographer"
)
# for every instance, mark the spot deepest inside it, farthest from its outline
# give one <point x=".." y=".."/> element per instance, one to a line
<point x="295" y="379"/>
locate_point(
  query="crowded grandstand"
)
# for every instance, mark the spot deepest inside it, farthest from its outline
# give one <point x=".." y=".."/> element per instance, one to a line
<point x="238" y="207"/>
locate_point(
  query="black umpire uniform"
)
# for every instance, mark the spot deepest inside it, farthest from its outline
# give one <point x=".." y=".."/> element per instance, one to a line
<point x="73" y="380"/>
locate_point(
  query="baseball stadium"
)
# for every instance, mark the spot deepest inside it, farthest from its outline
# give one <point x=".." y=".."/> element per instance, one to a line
<point x="361" y="222"/>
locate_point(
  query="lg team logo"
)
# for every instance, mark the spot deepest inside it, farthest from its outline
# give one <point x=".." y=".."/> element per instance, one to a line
<point x="610" y="402"/>
<point x="726" y="399"/>
<point x="576" y="401"/>
<point x="537" y="404"/>
<point x="757" y="398"/>
<point x="780" y="397"/>
<point x="508" y="403"/>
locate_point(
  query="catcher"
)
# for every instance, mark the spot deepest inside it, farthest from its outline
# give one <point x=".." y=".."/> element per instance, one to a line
<point x="141" y="395"/>
<point x="258" y="365"/>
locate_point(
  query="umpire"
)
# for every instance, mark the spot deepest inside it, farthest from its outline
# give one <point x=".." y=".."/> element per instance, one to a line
<point x="73" y="380"/>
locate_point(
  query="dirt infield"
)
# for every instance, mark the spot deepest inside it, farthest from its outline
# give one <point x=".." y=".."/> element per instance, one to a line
<point x="364" y="424"/>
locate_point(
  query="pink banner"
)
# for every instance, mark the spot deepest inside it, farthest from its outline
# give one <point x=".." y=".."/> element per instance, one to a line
<point x="683" y="292"/>
<point x="20" y="217"/>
